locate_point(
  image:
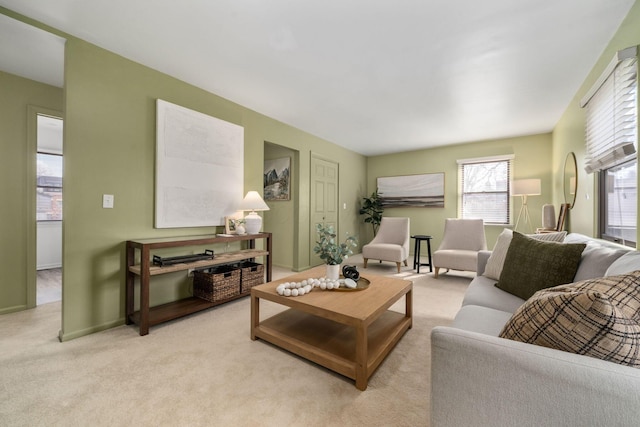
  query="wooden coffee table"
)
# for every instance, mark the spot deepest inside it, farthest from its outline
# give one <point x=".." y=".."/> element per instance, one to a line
<point x="348" y="332"/>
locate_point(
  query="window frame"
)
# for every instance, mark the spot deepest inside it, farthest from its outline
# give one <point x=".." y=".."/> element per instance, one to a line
<point x="41" y="188"/>
<point x="461" y="193"/>
<point x="603" y="207"/>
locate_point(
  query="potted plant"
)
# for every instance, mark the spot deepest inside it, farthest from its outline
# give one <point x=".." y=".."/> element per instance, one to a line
<point x="372" y="208"/>
<point x="332" y="252"/>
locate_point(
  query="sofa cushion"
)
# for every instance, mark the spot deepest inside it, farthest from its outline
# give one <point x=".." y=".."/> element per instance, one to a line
<point x="595" y="261"/>
<point x="627" y="263"/>
<point x="499" y="253"/>
<point x="482" y="291"/>
<point x="531" y="265"/>
<point x="598" y="318"/>
<point x="482" y="320"/>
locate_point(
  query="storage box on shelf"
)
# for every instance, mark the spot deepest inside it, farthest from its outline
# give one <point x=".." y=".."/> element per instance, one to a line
<point x="252" y="274"/>
<point x="148" y="316"/>
<point x="217" y="284"/>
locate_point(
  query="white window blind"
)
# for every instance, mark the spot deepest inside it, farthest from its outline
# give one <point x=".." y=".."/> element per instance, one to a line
<point x="484" y="188"/>
<point x="611" y="124"/>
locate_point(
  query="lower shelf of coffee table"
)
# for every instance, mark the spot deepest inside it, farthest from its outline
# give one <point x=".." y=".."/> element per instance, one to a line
<point x="180" y="308"/>
<point x="331" y="344"/>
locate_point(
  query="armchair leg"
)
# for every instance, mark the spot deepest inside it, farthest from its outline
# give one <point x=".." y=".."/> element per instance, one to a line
<point x="405" y="263"/>
<point x="365" y="263"/>
<point x="398" y="264"/>
<point x="436" y="270"/>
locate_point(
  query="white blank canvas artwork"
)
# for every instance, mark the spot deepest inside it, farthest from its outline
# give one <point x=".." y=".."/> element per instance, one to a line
<point x="199" y="168"/>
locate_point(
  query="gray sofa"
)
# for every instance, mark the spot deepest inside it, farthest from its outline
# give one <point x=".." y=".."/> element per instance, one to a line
<point x="479" y="379"/>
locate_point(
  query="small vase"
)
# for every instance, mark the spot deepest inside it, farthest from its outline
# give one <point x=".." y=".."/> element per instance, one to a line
<point x="333" y="272"/>
<point x="240" y="229"/>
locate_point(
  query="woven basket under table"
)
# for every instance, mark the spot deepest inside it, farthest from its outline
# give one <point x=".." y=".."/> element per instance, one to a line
<point x="252" y="275"/>
<point x="217" y="284"/>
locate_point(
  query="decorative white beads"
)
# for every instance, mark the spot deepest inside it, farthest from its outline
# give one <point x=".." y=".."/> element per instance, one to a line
<point x="296" y="289"/>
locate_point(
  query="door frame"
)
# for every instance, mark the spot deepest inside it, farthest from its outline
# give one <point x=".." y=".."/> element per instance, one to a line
<point x="31" y="168"/>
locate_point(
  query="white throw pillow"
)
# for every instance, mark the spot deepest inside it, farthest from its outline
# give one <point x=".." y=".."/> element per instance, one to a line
<point x="496" y="260"/>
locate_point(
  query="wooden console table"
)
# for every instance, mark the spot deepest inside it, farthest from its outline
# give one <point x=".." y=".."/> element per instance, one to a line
<point x="148" y="316"/>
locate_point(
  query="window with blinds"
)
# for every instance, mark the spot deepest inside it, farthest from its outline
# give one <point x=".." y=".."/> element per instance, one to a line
<point x="611" y="114"/>
<point x="611" y="145"/>
<point x="484" y="189"/>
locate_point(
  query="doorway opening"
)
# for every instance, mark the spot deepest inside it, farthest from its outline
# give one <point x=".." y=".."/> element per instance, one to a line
<point x="48" y="207"/>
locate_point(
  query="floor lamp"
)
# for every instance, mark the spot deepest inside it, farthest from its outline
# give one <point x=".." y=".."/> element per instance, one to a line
<point x="525" y="188"/>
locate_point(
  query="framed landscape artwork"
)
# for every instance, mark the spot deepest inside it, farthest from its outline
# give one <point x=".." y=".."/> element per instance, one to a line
<point x="412" y="191"/>
<point x="277" y="179"/>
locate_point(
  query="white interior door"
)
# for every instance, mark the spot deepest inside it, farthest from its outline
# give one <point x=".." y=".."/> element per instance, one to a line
<point x="324" y="199"/>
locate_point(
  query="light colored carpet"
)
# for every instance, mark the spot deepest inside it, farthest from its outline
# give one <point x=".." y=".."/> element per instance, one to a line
<point x="204" y="370"/>
<point x="49" y="285"/>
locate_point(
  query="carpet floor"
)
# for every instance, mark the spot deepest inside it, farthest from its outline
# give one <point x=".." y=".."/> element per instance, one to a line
<point x="204" y="370"/>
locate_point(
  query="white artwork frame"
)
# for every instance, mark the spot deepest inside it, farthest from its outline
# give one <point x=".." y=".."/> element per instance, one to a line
<point x="199" y="168"/>
<point x="412" y="191"/>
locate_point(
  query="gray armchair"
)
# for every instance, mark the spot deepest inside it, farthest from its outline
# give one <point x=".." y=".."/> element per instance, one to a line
<point x="461" y="242"/>
<point x="391" y="243"/>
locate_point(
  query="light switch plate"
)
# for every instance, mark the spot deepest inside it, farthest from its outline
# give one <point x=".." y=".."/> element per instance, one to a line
<point x="107" y="201"/>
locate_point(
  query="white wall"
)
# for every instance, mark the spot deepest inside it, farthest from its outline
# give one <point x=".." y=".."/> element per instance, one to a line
<point x="49" y="254"/>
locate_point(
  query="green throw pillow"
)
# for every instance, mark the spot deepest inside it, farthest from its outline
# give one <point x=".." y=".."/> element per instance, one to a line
<point x="531" y="265"/>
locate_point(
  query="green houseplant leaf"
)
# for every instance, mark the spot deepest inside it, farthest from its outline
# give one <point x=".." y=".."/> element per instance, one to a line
<point x="372" y="209"/>
<point x="328" y="249"/>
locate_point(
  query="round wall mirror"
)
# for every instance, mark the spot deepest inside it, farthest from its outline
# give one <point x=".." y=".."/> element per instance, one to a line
<point x="570" y="179"/>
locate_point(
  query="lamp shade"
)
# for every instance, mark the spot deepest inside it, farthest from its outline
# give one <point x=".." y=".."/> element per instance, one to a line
<point x="526" y="187"/>
<point x="253" y="202"/>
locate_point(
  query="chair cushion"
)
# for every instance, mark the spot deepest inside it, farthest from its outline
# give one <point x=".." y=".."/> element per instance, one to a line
<point x="385" y="251"/>
<point x="499" y="253"/>
<point x="598" y="318"/>
<point x="531" y="265"/>
<point x="456" y="259"/>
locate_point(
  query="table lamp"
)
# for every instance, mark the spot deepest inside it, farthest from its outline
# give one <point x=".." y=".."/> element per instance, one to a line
<point x="524" y="188"/>
<point x="253" y="202"/>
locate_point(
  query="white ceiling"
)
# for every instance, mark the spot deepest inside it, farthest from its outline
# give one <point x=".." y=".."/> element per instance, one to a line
<point x="374" y="76"/>
<point x="30" y="52"/>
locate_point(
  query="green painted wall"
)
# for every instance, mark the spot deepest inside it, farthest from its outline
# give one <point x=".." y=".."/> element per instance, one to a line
<point x="110" y="148"/>
<point x="568" y="134"/>
<point x="282" y="214"/>
<point x="16" y="162"/>
<point x="532" y="160"/>
<point x="109" y="105"/>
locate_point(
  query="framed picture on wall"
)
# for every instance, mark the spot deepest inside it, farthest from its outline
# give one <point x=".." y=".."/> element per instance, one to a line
<point x="277" y="179"/>
<point x="231" y="221"/>
<point x="412" y="191"/>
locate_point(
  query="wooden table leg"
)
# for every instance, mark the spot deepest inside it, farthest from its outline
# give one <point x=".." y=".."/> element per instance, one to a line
<point x="130" y="283"/>
<point x="362" y="376"/>
<point x="144" y="290"/>
<point x="255" y="315"/>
